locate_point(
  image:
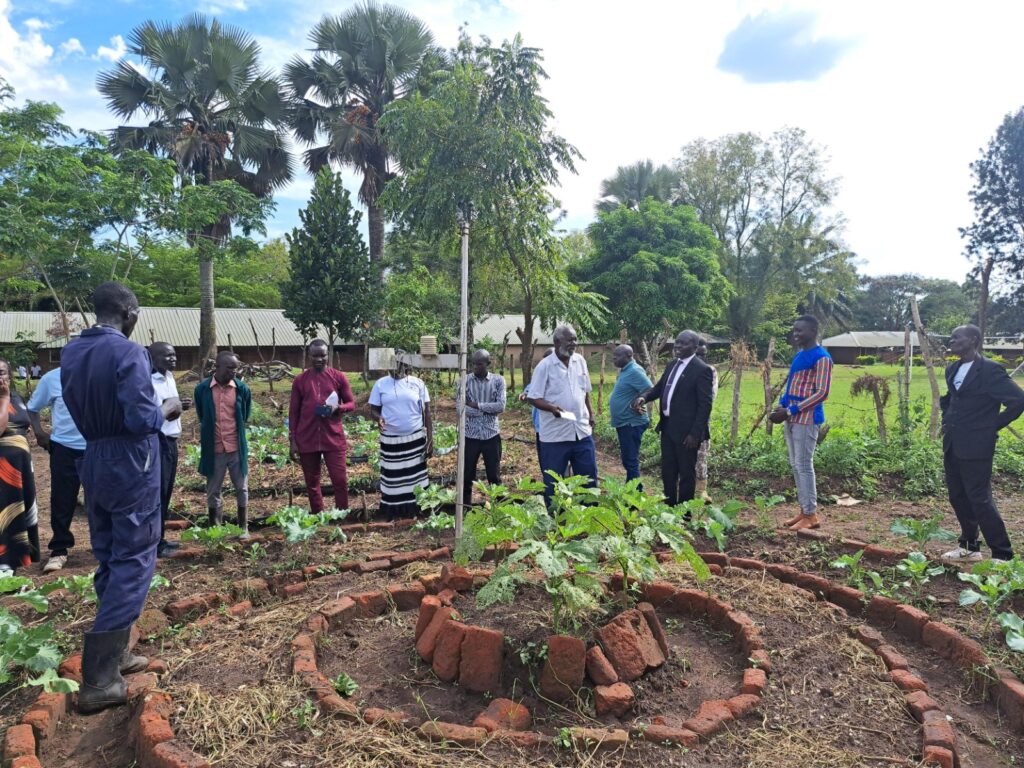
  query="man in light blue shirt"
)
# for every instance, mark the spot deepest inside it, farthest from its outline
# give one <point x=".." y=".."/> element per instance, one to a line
<point x="65" y="445"/>
<point x="630" y="424"/>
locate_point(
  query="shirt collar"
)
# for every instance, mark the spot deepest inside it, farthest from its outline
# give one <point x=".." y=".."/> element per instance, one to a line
<point x="213" y="383"/>
<point x="686" y="360"/>
<point x="161" y="376"/>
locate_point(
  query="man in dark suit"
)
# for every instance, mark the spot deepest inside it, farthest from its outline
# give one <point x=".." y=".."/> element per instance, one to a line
<point x="686" y="395"/>
<point x="981" y="399"/>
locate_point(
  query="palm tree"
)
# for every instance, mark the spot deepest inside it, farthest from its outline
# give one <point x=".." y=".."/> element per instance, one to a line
<point x="363" y="60"/>
<point x="210" y="109"/>
<point x="634" y="183"/>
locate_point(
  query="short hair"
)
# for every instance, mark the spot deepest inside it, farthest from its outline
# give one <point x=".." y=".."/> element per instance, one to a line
<point x="974" y="332"/>
<point x="158" y="345"/>
<point x="317" y="343"/>
<point x="112" y="298"/>
<point x="811" y="320"/>
<point x="224" y="354"/>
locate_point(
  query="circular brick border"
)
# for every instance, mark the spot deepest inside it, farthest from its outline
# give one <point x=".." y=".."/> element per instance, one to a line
<point x="439" y="631"/>
<point x="150" y="727"/>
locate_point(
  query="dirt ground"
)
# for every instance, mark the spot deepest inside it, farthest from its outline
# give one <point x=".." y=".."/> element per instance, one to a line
<point x="828" y="702"/>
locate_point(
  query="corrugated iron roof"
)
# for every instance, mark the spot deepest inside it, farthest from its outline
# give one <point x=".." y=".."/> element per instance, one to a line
<point x="884" y="339"/>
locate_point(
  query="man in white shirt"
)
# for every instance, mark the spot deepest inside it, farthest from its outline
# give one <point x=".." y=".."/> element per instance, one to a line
<point x="165" y="359"/>
<point x="560" y="391"/>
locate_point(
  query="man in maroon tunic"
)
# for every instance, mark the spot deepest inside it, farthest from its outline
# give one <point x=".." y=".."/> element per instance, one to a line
<point x="320" y="395"/>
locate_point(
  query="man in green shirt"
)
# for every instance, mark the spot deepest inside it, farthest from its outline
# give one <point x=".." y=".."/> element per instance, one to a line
<point x="629" y="424"/>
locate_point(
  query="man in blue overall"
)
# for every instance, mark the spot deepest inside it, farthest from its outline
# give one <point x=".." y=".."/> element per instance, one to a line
<point x="109" y="394"/>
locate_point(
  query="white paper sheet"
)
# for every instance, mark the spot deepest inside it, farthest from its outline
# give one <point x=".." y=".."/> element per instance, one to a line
<point x="332" y="399"/>
<point x="568" y="416"/>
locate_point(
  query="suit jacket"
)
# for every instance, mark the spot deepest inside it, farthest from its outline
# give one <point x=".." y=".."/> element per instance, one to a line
<point x="972" y="416"/>
<point x="690" y="409"/>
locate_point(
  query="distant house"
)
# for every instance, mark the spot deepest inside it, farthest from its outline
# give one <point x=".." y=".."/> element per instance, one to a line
<point x="887" y="346"/>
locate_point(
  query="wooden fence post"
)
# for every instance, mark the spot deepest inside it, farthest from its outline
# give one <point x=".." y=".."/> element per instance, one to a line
<point x="600" y="390"/>
<point x="766" y="375"/>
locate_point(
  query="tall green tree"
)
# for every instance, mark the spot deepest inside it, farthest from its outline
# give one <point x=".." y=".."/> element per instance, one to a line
<point x="330" y="284"/>
<point x="363" y="60"/>
<point x="768" y="203"/>
<point x="995" y="239"/>
<point x="213" y="111"/>
<point x="483" y="138"/>
<point x="632" y="184"/>
<point x="658" y="266"/>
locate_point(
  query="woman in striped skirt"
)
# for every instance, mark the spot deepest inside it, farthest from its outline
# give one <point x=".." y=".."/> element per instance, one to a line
<point x="401" y="405"/>
<point x="19" y="522"/>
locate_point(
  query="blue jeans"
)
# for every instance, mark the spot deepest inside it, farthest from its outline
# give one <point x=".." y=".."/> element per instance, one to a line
<point x="558" y="456"/>
<point x="629" y="448"/>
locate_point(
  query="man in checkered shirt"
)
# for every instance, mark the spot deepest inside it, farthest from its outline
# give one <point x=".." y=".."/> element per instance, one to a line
<point x="485" y="399"/>
<point x="801" y="410"/>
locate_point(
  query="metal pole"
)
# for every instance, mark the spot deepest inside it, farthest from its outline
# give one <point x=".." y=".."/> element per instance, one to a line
<point x="460" y="470"/>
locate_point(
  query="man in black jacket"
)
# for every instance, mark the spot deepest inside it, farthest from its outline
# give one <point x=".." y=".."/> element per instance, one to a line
<point x="685" y="393"/>
<point x="981" y="399"/>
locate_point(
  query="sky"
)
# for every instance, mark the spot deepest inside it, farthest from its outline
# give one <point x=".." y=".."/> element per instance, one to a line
<point x="902" y="95"/>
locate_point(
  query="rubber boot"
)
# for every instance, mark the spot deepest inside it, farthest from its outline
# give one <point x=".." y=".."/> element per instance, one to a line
<point x="216" y="516"/>
<point x="701" y="490"/>
<point x="130" y="662"/>
<point x="243" y="522"/>
<point x="33" y="542"/>
<point x="102" y="684"/>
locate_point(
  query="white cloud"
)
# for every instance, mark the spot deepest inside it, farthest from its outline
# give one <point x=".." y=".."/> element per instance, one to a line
<point x="219" y="7"/>
<point x="71" y="46"/>
<point x="35" y="25"/>
<point x="114" y="53"/>
<point x="26" y="59"/>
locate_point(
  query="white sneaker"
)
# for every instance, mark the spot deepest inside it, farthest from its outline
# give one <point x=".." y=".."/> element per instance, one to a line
<point x="55" y="563"/>
<point x="963" y="555"/>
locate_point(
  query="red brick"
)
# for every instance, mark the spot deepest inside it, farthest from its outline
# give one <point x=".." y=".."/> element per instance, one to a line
<point x="173" y="754"/>
<point x="937" y="731"/>
<point x="404" y="558"/>
<point x="710" y="717"/>
<point x="281" y="580"/>
<point x="315" y="624"/>
<point x="503" y="715"/>
<point x="910" y="621"/>
<point x="187" y="607"/>
<point x="456" y="577"/>
<point x="427" y="641"/>
<point x="785" y="573"/>
<point x="406" y="597"/>
<point x="381" y="554"/>
<point x="43" y="722"/>
<point x="483" y="652"/>
<point x="940" y="637"/>
<point x="817" y="585"/>
<point x="186" y="553"/>
<point x="463" y="735"/>
<point x="660" y="734"/>
<point x="563" y="669"/>
<point x="742" y="704"/>
<point x="658" y="592"/>
<point x="241" y="609"/>
<point x="381" y="526"/>
<point x="26" y="761"/>
<point x="919" y="702"/>
<point x="746" y="563"/>
<point x="521" y="739"/>
<point x="303" y="655"/>
<point x="152" y="730"/>
<point x="339" y="613"/>
<point x="655" y="626"/>
<point x="892" y="658"/>
<point x="347" y="565"/>
<point x="812" y="534"/>
<point x="151" y="622"/>
<point x="590" y="738"/>
<point x="373" y="565"/>
<point x="1008" y="693"/>
<point x="291" y="590"/>
<point x="937" y="756"/>
<point x="750" y="640"/>
<point x="907" y="681"/>
<point x="448" y="651"/>
<point x="431" y="582"/>
<point x="718" y="610"/>
<point x="19" y="741"/>
<point x="390" y="716"/>
<point x="176" y="525"/>
<point x="616" y="699"/>
<point x="441" y="553"/>
<point x="884" y="554"/>
<point x="256" y="590"/>
<point x="599" y="669"/>
<point x="689" y="602"/>
<point x="848" y="598"/>
<point x="851" y="545"/>
<point x="630" y="646"/>
<point x="869" y="636"/>
<point x="881" y="611"/>
<point x="158" y="667"/>
<point x="754" y="682"/>
<point x="447" y="596"/>
<point x="428" y="605"/>
<point x="370" y="604"/>
<point x="761" y="660"/>
<point x="968" y="654"/>
<point x="141" y="683"/>
<point x="158" y="703"/>
<point x="333" y="705"/>
<point x="715" y="570"/>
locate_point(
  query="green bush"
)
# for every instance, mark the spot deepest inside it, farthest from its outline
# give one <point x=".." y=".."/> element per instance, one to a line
<point x="866" y="359"/>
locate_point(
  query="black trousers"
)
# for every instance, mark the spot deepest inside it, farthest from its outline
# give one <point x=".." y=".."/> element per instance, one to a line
<point x="168" y="471"/>
<point x="491" y="451"/>
<point x="678" y="469"/>
<point x="969" y="482"/>
<point x="64" y="485"/>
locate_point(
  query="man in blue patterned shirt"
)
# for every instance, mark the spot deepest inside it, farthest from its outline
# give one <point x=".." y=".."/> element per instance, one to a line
<point x="485" y="399"/>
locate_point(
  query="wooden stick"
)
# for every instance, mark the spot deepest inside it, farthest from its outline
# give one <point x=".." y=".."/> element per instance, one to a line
<point x="766" y="377"/>
<point x="922" y="340"/>
<point x="600" y="389"/>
